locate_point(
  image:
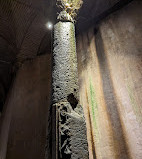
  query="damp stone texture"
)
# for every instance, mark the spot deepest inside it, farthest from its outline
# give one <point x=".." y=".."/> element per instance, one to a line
<point x="70" y="126"/>
<point x="65" y="77"/>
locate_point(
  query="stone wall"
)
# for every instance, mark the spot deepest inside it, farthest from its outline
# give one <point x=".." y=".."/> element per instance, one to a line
<point x="26" y="115"/>
<point x="110" y="75"/>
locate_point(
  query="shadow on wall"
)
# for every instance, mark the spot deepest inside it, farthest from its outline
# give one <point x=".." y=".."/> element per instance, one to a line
<point x="86" y="61"/>
<point x="109" y="97"/>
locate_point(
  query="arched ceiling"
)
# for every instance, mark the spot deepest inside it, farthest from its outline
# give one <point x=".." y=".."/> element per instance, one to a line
<point x="22" y="22"/>
<point x="23" y="32"/>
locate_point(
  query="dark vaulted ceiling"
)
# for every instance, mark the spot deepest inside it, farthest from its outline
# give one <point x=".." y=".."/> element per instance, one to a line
<point x="23" y="32"/>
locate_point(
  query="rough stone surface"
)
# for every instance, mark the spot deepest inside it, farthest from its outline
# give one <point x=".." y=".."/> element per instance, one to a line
<point x="110" y="75"/>
<point x="121" y="34"/>
<point x="71" y="139"/>
<point x="71" y="131"/>
<point x="65" y="77"/>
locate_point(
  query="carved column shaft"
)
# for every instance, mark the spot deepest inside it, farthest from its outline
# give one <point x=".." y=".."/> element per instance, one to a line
<point x="69" y="129"/>
<point x="69" y="123"/>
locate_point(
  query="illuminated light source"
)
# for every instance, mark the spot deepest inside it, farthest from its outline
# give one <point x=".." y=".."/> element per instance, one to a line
<point x="49" y="25"/>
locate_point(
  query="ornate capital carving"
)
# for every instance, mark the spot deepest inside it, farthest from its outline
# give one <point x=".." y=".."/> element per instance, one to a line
<point x="68" y="9"/>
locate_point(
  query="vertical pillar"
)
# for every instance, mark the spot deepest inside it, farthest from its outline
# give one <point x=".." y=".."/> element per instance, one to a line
<point x="69" y="125"/>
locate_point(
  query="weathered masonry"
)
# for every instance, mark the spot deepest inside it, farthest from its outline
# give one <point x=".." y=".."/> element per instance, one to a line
<point x="69" y="124"/>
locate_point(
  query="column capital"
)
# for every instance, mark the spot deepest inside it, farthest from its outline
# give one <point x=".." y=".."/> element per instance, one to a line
<point x="68" y="9"/>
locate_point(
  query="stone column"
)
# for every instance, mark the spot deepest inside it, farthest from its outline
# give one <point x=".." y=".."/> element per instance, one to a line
<point x="69" y="125"/>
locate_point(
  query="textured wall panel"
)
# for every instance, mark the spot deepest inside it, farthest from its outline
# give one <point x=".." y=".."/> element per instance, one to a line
<point x="110" y="84"/>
